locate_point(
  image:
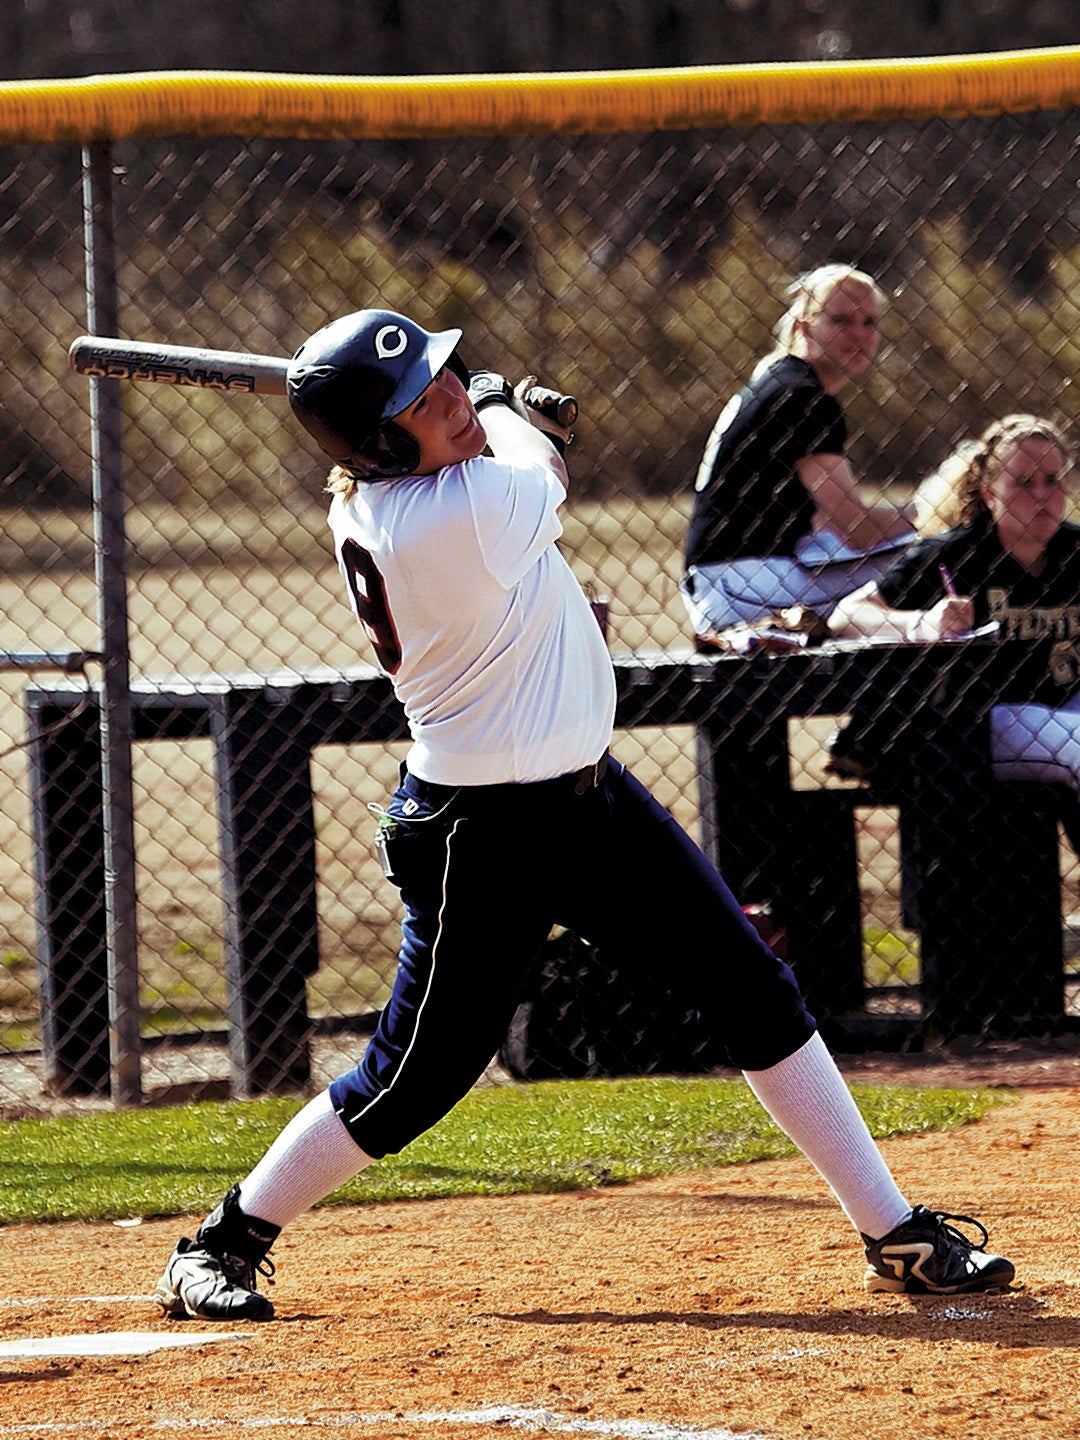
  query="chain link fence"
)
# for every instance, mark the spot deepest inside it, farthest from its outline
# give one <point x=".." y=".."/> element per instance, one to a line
<point x="643" y="273"/>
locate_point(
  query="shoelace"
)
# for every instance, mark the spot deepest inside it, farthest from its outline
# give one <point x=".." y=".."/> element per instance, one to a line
<point x="943" y="1216"/>
<point x="243" y="1272"/>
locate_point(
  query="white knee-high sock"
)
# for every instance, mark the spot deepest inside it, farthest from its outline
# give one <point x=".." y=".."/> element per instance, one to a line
<point x="312" y="1156"/>
<point x="807" y="1097"/>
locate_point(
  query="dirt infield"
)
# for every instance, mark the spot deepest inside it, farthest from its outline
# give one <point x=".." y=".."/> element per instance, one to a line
<point x="708" y="1305"/>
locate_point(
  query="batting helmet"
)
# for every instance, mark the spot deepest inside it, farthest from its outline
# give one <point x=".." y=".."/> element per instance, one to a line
<point x="346" y="384"/>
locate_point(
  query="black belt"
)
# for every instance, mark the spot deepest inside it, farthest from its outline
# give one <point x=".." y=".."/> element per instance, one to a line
<point x="588" y="778"/>
<point x="580" y="781"/>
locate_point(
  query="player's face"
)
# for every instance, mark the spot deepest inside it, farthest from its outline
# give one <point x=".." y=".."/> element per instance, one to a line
<point x="841" y="335"/>
<point x="1026" y="496"/>
<point x="444" y="424"/>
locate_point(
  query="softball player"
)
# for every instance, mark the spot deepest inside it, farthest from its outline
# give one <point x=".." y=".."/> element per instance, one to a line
<point x="511" y="816"/>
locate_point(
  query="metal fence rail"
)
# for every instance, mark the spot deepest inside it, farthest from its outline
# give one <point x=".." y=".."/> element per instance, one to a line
<point x="633" y="247"/>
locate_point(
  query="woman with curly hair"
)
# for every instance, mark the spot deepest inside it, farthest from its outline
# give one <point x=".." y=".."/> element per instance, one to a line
<point x="996" y="550"/>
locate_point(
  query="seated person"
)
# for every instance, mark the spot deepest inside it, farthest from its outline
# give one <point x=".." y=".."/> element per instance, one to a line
<point x="1009" y="557"/>
<point x="778" y="520"/>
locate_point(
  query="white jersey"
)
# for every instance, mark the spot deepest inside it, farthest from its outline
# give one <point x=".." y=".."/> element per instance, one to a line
<point x="491" y="645"/>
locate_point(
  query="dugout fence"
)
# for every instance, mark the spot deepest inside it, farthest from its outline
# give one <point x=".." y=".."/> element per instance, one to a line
<point x="628" y="235"/>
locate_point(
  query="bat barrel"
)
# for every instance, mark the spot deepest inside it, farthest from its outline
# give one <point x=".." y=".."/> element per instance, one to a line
<point x="106" y="358"/>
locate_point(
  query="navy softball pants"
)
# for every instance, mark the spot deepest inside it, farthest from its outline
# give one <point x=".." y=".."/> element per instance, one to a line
<point x="484" y="873"/>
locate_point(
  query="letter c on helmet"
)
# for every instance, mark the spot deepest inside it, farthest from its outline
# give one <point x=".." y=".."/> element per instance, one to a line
<point x="390" y="341"/>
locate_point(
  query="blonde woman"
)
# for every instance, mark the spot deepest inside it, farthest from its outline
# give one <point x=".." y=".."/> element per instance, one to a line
<point x="778" y="519"/>
<point x="1008" y="557"/>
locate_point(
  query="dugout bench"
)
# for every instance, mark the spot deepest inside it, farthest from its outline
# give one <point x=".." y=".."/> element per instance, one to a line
<point x="990" y="926"/>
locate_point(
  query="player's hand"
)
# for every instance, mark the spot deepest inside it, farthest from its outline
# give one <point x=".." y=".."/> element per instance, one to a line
<point x="547" y="409"/>
<point x="488" y="387"/>
<point x="954" y="615"/>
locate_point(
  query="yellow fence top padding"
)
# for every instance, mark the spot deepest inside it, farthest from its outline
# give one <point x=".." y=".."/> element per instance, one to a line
<point x="246" y="103"/>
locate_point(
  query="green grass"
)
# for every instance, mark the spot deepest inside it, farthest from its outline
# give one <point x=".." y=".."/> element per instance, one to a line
<point x="542" y="1138"/>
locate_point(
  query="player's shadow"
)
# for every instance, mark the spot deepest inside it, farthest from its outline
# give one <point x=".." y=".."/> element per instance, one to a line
<point x="25" y="1377"/>
<point x="972" y="1318"/>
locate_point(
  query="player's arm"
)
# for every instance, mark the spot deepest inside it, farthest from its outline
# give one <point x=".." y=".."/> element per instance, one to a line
<point x="517" y="423"/>
<point x="831" y="485"/>
<point x="513" y="439"/>
<point x="864" y="613"/>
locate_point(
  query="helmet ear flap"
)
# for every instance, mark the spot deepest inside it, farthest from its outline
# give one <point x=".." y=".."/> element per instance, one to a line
<point x="391" y="454"/>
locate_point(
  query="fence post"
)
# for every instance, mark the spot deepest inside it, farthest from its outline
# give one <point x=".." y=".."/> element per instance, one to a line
<point x="110" y="559"/>
<point x="66" y="814"/>
<point x="263" y="759"/>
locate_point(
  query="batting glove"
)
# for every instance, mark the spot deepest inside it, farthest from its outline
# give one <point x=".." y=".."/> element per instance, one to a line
<point x="487" y="387"/>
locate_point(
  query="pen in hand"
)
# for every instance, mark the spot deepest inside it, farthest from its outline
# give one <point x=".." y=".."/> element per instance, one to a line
<point x="952" y="593"/>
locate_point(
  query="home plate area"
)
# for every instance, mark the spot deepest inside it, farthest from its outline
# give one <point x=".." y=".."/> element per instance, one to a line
<point x="117" y="1342"/>
<point x="721" y="1305"/>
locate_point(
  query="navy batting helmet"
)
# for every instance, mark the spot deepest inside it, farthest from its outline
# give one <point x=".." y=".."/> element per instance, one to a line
<point x="354" y="375"/>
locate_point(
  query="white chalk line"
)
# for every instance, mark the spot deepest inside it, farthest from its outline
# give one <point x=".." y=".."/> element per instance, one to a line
<point x="110" y="1342"/>
<point x="514" y="1417"/>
